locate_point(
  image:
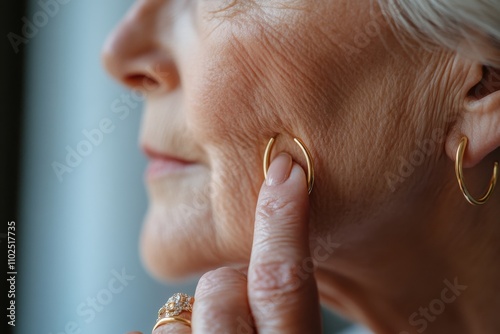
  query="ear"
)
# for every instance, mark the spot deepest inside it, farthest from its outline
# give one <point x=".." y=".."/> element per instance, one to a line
<point x="479" y="118"/>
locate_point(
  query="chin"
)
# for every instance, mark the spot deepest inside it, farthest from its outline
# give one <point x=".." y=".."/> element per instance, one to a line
<point x="173" y="249"/>
<point x="192" y="226"/>
<point x="177" y="238"/>
<point x="175" y="246"/>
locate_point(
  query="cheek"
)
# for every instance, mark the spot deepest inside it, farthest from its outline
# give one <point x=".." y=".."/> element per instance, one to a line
<point x="227" y="113"/>
<point x="240" y="93"/>
<point x="248" y="87"/>
<point x="234" y="194"/>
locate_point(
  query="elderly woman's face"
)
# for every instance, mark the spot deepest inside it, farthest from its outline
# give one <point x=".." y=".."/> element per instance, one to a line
<point x="223" y="77"/>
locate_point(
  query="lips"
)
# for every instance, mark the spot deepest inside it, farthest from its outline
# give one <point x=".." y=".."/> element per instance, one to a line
<point x="161" y="164"/>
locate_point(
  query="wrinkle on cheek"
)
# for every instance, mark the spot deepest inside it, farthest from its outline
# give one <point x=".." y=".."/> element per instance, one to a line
<point x="252" y="82"/>
<point x="235" y="182"/>
<point x="229" y="95"/>
<point x="269" y="81"/>
<point x="263" y="76"/>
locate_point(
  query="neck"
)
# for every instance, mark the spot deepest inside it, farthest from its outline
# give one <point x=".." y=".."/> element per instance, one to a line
<point x="433" y="268"/>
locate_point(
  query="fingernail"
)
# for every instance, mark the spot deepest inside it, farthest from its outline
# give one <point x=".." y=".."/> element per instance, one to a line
<point x="279" y="171"/>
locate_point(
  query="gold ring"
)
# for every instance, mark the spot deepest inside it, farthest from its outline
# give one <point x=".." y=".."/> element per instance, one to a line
<point x="307" y="154"/>
<point x="169" y="320"/>
<point x="175" y="305"/>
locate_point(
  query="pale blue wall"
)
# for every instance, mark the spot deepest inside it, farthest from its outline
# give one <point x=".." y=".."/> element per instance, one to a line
<point x="78" y="231"/>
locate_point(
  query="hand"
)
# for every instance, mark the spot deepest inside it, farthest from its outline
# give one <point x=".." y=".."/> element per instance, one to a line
<point x="277" y="295"/>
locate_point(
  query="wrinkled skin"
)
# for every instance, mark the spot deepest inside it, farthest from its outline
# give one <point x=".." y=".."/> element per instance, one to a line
<point x="381" y="116"/>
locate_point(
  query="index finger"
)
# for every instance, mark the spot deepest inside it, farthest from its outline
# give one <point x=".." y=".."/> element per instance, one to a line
<point x="282" y="290"/>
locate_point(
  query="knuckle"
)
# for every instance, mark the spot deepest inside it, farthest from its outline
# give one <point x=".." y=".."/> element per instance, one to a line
<point x="274" y="280"/>
<point x="220" y="294"/>
<point x="209" y="310"/>
<point x="214" y="281"/>
<point x="273" y="206"/>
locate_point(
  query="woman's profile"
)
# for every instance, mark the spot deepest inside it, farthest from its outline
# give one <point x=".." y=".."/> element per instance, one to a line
<point x="304" y="152"/>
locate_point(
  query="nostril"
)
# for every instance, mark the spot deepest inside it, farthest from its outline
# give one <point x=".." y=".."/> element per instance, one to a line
<point x="141" y="82"/>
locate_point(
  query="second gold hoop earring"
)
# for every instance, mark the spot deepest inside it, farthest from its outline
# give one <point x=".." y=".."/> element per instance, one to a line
<point x="307" y="154"/>
<point x="460" y="176"/>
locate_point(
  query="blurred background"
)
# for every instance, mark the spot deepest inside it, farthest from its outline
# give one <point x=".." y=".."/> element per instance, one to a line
<point x="75" y="193"/>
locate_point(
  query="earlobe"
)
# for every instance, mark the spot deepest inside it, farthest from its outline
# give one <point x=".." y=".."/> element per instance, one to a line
<point x="479" y="121"/>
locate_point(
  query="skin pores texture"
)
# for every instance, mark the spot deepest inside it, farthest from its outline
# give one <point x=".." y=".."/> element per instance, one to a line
<point x="225" y="77"/>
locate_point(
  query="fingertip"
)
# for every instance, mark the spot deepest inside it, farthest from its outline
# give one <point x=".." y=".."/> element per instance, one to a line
<point x="280" y="250"/>
<point x="294" y="189"/>
<point x="291" y="193"/>
<point x="282" y="213"/>
<point x="280" y="169"/>
<point x="298" y="177"/>
<point x="285" y="176"/>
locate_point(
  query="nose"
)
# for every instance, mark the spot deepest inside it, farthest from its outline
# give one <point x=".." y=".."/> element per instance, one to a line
<point x="136" y="54"/>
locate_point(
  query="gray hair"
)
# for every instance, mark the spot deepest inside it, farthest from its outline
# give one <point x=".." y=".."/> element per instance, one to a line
<point x="471" y="27"/>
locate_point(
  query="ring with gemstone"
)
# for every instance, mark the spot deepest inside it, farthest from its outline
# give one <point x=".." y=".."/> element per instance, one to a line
<point x="175" y="305"/>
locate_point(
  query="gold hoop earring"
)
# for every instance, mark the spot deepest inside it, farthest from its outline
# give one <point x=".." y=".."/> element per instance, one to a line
<point x="460" y="176"/>
<point x="307" y="154"/>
